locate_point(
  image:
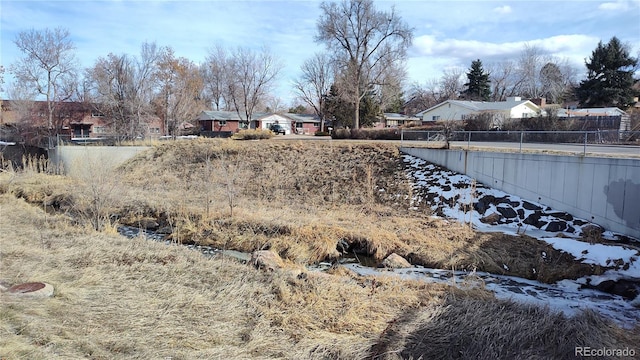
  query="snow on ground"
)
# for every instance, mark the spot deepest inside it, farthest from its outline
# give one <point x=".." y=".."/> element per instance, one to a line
<point x="459" y="197"/>
<point x="565" y="297"/>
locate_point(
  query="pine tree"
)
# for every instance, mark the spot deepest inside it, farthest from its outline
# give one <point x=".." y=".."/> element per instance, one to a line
<point x="478" y="87"/>
<point x="610" y="77"/>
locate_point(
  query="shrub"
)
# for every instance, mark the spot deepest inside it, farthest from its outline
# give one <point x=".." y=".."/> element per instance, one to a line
<point x="341" y="134"/>
<point x="322" y="133"/>
<point x="253" y="134"/>
<point x="367" y="134"/>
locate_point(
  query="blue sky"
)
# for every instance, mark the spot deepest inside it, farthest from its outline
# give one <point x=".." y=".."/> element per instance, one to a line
<point x="446" y="33"/>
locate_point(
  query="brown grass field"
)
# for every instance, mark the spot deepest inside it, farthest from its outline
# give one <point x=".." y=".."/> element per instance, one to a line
<point x="119" y="298"/>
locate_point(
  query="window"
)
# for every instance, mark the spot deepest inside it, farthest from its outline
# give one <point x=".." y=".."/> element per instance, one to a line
<point x="154" y="130"/>
<point x="222" y="122"/>
<point x="98" y="129"/>
<point x="435" y="117"/>
<point x="95" y="113"/>
<point x="299" y="125"/>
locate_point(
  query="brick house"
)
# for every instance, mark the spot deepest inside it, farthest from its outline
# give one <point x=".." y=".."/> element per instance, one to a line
<point x="29" y="121"/>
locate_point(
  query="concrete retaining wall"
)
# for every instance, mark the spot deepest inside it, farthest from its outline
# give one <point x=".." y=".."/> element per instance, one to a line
<point x="605" y="191"/>
<point x="73" y="158"/>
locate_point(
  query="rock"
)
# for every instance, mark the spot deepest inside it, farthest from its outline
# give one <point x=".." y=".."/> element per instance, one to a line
<point x="592" y="230"/>
<point x="520" y="213"/>
<point x="32" y="289"/>
<point x="489" y="199"/>
<point x="395" y="261"/>
<point x="148" y="224"/>
<point x="533" y="218"/>
<point x="480" y="206"/>
<point x="492" y="219"/>
<point x="529" y="206"/>
<point x="556" y="226"/>
<point x="626" y="289"/>
<point x="266" y="260"/>
<point x="507" y="212"/>
<point x="562" y="216"/>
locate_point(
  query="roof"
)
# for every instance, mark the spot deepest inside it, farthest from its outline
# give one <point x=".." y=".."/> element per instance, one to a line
<point x="304" y="118"/>
<point x="396" y="116"/>
<point x="608" y="111"/>
<point x="233" y="116"/>
<point x="227" y="115"/>
<point x="479" y="106"/>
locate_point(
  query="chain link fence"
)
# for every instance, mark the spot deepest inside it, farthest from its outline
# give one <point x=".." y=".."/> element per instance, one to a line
<point x="601" y="137"/>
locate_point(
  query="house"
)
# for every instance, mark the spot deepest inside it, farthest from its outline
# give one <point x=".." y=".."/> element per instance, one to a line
<point x="611" y="118"/>
<point x="395" y="120"/>
<point x="221" y="121"/>
<point x="304" y="123"/>
<point x="230" y="122"/>
<point x="264" y="121"/>
<point x="71" y="119"/>
<point x="513" y="108"/>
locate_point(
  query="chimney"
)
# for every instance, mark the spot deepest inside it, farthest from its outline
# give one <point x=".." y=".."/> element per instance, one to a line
<point x="541" y="102"/>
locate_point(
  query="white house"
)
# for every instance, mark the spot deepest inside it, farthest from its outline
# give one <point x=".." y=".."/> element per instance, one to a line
<point x="269" y="119"/>
<point x="513" y="108"/>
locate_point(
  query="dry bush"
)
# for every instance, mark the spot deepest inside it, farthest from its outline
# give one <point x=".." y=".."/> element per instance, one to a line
<point x="466" y="327"/>
<point x="253" y="134"/>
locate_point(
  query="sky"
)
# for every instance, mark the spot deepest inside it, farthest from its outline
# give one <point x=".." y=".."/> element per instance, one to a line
<point x="447" y="34"/>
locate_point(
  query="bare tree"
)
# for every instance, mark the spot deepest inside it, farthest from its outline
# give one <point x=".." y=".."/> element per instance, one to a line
<point x="420" y="97"/>
<point x="249" y="78"/>
<point x="503" y="80"/>
<point x="313" y="85"/>
<point x="48" y="66"/>
<point x="389" y="89"/>
<point x="181" y="86"/>
<point x="215" y="73"/>
<point x="124" y="86"/>
<point x="23" y="109"/>
<point x="365" y="41"/>
<point x="529" y="66"/>
<point x="1" y="78"/>
<point x="451" y="84"/>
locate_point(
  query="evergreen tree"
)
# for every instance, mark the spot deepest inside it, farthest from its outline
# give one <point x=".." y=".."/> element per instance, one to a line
<point x="341" y="111"/>
<point x="610" y="77"/>
<point x="478" y="86"/>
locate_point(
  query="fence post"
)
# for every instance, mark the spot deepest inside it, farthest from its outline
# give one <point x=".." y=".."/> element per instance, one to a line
<point x="584" y="148"/>
<point x="469" y="141"/>
<point x="401" y="137"/>
<point x="521" y="139"/>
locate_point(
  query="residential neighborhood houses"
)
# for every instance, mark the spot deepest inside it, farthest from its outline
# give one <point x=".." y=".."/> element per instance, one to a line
<point x="500" y="111"/>
<point x="229" y="121"/>
<point x="77" y="120"/>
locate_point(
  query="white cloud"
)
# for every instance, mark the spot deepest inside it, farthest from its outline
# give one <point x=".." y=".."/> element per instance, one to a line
<point x="615" y="6"/>
<point x="505" y="9"/>
<point x="431" y="55"/>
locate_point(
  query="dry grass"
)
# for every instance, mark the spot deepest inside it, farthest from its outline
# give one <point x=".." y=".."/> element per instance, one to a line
<point x="303" y="200"/>
<point x="118" y="298"/>
<point x="481" y="328"/>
